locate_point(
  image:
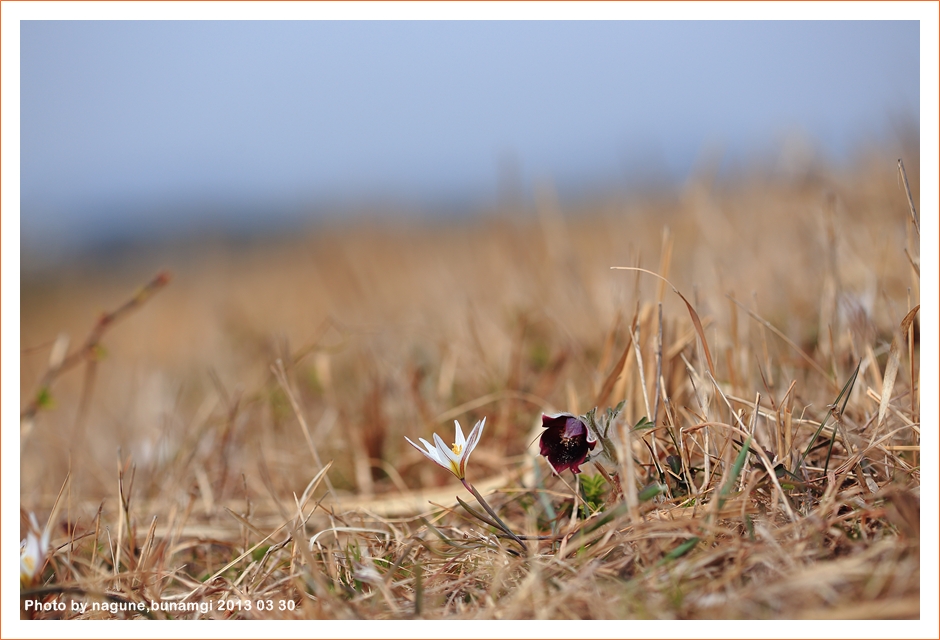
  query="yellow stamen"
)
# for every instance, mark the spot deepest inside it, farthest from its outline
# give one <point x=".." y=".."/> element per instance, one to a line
<point x="456" y="448"/>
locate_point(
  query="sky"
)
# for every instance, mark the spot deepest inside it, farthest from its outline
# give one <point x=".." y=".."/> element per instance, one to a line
<point x="132" y="127"/>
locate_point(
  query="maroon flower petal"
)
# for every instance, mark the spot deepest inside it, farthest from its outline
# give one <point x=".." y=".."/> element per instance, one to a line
<point x="566" y="442"/>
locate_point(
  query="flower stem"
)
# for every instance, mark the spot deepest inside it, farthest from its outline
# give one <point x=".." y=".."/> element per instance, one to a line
<point x="489" y="510"/>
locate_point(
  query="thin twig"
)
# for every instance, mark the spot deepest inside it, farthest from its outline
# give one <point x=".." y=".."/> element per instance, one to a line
<point x="89" y="351"/>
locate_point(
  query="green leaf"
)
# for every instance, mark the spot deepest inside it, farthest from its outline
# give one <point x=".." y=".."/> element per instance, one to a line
<point x="681" y="550"/>
<point x="735" y="472"/>
<point x="650" y="491"/>
<point x="607" y="517"/>
<point x="613" y="413"/>
<point x="44" y="399"/>
<point x="593" y="487"/>
<point x="675" y="463"/>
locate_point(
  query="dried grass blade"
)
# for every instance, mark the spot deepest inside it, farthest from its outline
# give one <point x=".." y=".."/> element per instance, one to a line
<point x="313" y="484"/>
<point x="792" y="344"/>
<point x="894" y="361"/>
<point x="615" y="372"/>
<point x="701" y="332"/>
<point x="245" y="554"/>
<point x="695" y="319"/>
<point x="243" y="520"/>
<point x="760" y="453"/>
<point x="910" y="199"/>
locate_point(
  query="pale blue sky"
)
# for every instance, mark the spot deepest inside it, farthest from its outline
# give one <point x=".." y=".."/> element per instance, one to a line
<point x="146" y="125"/>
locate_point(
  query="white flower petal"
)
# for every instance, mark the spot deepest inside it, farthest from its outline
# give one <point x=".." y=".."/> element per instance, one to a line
<point x="431" y="454"/>
<point x="33" y="551"/>
<point x="458" y="437"/>
<point x="430" y="447"/>
<point x="447" y="458"/>
<point x="474" y="437"/>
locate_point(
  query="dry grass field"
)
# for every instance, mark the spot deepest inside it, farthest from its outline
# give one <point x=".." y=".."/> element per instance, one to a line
<point x="232" y="444"/>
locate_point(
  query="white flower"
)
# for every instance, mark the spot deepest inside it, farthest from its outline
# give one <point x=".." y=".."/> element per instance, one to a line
<point x="33" y="551"/>
<point x="453" y="458"/>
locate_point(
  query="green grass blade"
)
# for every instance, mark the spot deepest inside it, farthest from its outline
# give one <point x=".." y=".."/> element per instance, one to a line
<point x="735" y="472"/>
<point x="681" y="550"/>
<point x="846" y="392"/>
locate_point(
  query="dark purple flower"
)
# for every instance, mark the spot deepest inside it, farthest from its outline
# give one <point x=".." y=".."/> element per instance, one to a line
<point x="566" y="441"/>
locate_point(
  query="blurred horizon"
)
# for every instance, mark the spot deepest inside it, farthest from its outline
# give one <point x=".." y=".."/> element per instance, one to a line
<point x="137" y="130"/>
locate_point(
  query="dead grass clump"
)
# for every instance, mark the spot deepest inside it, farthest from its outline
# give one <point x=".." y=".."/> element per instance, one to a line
<point x="235" y="447"/>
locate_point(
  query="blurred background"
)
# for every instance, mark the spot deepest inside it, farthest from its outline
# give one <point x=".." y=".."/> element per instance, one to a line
<point x="415" y="216"/>
<point x="136" y="132"/>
